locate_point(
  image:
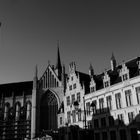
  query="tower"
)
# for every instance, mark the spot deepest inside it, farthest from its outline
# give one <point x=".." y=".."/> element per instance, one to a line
<point x="58" y="67"/>
<point x="113" y="62"/>
<point x="34" y="104"/>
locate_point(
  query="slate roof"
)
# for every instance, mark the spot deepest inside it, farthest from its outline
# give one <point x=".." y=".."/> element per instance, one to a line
<point x="17" y="88"/>
<point x="84" y="79"/>
<point x="132" y="65"/>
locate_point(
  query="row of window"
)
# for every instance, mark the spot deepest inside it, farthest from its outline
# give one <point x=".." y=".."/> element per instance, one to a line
<point x="107" y="82"/>
<point x="118" y="100"/>
<point x="74" y="114"/>
<point x="73" y="98"/>
<point x="122" y="135"/>
<point x="111" y="121"/>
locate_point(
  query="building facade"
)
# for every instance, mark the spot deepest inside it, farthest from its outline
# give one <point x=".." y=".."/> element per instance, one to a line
<point x="29" y="108"/>
<point x="110" y="106"/>
<point x="115" y="114"/>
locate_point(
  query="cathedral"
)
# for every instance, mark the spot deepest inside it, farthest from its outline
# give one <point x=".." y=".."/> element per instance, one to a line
<point x="28" y="108"/>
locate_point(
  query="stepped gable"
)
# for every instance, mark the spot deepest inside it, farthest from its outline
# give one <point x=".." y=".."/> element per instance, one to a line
<point x="115" y="78"/>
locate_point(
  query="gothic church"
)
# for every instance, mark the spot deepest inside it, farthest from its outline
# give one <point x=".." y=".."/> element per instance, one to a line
<point x="28" y="108"/>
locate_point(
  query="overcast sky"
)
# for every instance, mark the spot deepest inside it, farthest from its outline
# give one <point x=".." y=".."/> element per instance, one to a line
<point x="88" y="32"/>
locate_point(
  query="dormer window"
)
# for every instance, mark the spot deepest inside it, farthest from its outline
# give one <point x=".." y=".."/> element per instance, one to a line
<point x="124" y="72"/>
<point x="106" y="84"/>
<point x="106" y="80"/>
<point x="92" y="85"/>
<point x="92" y="89"/>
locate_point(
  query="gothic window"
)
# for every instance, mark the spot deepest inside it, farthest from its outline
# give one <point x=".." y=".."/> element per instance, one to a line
<point x="17" y="105"/>
<point x="88" y="108"/>
<point x="6" y="110"/>
<point x="109" y="102"/>
<point x="69" y="117"/>
<point x="138" y="94"/>
<point x="130" y="116"/>
<point x="118" y="100"/>
<point x="101" y="104"/>
<point x="128" y="97"/>
<point x="28" y="117"/>
<point x="73" y="98"/>
<point x="68" y="100"/>
<point x="78" y="97"/>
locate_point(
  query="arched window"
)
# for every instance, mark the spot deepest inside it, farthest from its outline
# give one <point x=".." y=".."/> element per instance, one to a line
<point x="17" y="107"/>
<point x="28" y="107"/>
<point x="6" y="110"/>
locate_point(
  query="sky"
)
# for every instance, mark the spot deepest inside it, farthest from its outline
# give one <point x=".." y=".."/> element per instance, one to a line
<point x="88" y="32"/>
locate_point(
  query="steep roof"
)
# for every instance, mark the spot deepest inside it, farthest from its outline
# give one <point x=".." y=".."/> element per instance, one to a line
<point x="84" y="79"/>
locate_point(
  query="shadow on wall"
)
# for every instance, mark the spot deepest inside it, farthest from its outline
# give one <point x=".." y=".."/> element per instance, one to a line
<point x="103" y="127"/>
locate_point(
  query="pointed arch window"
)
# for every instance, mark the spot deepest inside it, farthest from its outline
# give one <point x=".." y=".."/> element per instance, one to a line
<point x="17" y="106"/>
<point x="28" y="107"/>
<point x="6" y="110"/>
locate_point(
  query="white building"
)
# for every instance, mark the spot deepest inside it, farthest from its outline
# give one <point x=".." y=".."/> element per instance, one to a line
<point x="76" y="88"/>
<point x="116" y="96"/>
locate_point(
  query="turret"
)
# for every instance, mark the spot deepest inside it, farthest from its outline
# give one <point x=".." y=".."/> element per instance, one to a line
<point x="113" y="62"/>
<point x="91" y="71"/>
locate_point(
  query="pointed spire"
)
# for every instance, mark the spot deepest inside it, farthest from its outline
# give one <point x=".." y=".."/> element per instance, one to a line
<point x="113" y="62"/>
<point x="36" y="72"/>
<point x="91" y="70"/>
<point x="35" y="79"/>
<point x="58" y="67"/>
<point x="58" y="61"/>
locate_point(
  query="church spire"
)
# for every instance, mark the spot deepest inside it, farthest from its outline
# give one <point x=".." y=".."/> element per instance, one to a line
<point x="58" y="61"/>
